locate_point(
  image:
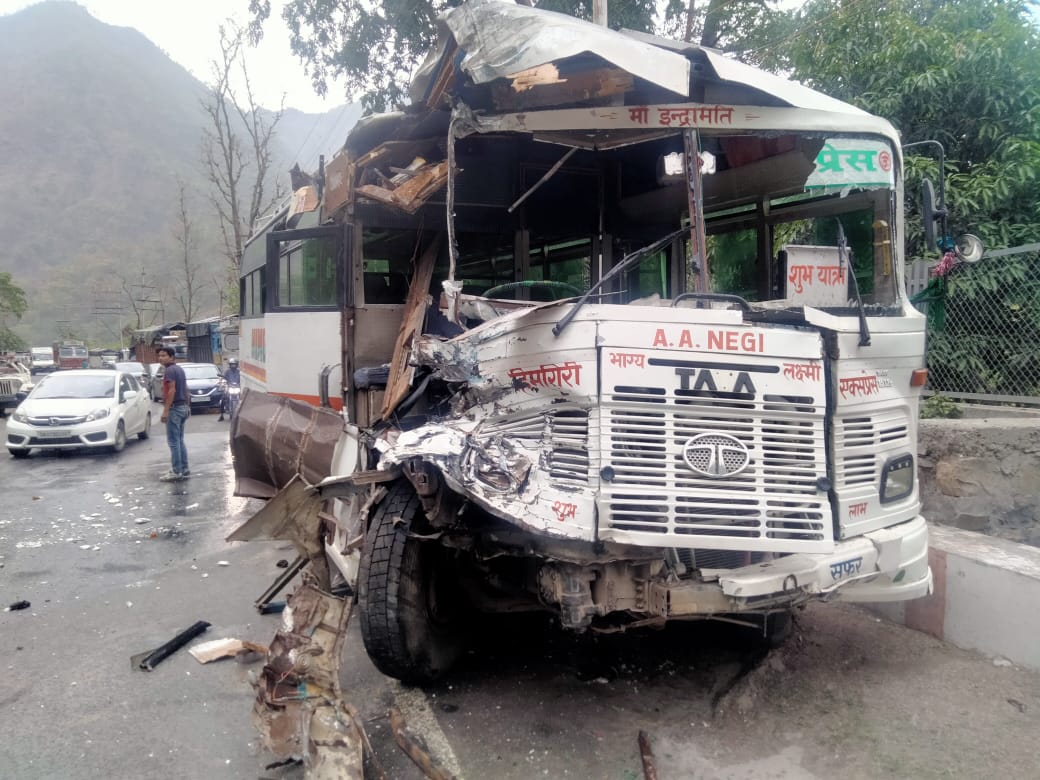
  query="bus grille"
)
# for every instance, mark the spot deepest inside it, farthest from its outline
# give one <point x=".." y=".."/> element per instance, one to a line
<point x="865" y="442"/>
<point x="561" y="433"/>
<point x="653" y="497"/>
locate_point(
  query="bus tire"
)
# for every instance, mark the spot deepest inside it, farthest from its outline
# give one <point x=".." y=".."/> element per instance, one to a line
<point x="412" y="610"/>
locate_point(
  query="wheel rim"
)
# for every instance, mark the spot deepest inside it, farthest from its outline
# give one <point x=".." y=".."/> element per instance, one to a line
<point x="120" y="437"/>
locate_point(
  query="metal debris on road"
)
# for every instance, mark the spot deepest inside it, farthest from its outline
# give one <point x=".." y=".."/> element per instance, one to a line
<point x="419" y="757"/>
<point x="149" y="659"/>
<point x="299" y="709"/>
<point x="647" y="755"/>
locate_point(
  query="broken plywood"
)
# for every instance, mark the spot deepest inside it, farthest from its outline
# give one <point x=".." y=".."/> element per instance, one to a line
<point x="545" y="86"/>
<point x="215" y="649"/>
<point x="339" y="174"/>
<point x="410" y="195"/>
<point x="401" y="372"/>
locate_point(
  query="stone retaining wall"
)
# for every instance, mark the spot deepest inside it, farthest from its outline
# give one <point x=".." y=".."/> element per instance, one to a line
<point x="982" y="475"/>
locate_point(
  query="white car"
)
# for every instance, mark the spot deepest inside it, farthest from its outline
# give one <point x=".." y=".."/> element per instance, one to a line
<point x="80" y="408"/>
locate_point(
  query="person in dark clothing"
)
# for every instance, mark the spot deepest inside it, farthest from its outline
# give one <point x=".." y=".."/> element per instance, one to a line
<point x="232" y="375"/>
<point x="233" y="379"/>
<point x="176" y="410"/>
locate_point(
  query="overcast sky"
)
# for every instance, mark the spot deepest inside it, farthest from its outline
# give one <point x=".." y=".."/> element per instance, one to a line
<point x="187" y="31"/>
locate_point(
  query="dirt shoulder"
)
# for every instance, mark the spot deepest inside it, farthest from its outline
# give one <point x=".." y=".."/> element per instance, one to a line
<point x="857" y="696"/>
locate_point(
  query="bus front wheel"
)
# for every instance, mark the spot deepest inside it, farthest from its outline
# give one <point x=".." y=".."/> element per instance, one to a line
<point x="413" y="612"/>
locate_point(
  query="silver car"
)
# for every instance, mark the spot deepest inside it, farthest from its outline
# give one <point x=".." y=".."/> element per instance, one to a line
<point x="137" y="369"/>
<point x="80" y="408"/>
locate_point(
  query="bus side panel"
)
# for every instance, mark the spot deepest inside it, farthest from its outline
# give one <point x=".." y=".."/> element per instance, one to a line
<point x="299" y="343"/>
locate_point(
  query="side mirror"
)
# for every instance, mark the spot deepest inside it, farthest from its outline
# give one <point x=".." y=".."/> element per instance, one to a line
<point x="21" y="395"/>
<point x="968" y="248"/>
<point x="930" y="214"/>
<point x="129" y="395"/>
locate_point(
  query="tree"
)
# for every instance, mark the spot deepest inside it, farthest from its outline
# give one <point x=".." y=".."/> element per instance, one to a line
<point x="141" y="296"/>
<point x="12" y="306"/>
<point x="375" y="47"/>
<point x="963" y="72"/>
<point x="188" y="284"/>
<point x="237" y="153"/>
<point x="730" y="25"/>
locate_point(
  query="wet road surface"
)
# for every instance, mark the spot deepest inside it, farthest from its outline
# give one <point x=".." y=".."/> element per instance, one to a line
<point x="115" y="563"/>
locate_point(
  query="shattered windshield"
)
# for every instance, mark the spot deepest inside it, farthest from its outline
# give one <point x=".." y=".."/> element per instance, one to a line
<point x="792" y="219"/>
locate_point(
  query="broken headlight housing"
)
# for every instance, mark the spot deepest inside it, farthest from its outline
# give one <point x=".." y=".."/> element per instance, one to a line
<point x="897" y="478"/>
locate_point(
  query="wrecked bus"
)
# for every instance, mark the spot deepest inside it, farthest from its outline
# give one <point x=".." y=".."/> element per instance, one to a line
<point x="601" y="324"/>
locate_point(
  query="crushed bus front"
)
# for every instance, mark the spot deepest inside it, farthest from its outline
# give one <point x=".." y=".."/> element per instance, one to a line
<point x="616" y="332"/>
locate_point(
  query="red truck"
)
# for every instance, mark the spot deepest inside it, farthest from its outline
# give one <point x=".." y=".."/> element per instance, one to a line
<point x="70" y="353"/>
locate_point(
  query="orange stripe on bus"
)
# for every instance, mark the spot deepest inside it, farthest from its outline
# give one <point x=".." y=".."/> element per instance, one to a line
<point x="257" y="372"/>
<point x="313" y="400"/>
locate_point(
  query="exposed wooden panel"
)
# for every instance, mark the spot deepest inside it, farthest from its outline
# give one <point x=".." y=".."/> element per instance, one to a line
<point x="545" y="86"/>
<point x="401" y="372"/>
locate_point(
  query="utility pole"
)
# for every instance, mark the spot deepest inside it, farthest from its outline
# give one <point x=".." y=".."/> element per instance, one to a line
<point x="107" y="306"/>
<point x="144" y="301"/>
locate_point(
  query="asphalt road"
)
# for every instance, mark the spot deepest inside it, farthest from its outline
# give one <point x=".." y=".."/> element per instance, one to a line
<point x="114" y="563"/>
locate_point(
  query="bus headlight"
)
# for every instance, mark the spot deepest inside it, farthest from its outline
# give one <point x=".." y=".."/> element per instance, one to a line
<point x="897" y="478"/>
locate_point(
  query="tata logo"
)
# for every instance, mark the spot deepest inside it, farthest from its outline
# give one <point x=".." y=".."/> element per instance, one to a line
<point x="716" y="455"/>
<point x="701" y="379"/>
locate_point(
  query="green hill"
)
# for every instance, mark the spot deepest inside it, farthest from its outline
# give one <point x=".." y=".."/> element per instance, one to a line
<point x="98" y="126"/>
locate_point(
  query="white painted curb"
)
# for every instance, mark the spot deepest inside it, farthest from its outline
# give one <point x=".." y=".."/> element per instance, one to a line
<point x="987" y="592"/>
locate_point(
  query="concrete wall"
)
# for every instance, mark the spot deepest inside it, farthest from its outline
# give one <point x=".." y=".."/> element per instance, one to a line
<point x="986" y="592"/>
<point x="982" y="475"/>
<point x="980" y="491"/>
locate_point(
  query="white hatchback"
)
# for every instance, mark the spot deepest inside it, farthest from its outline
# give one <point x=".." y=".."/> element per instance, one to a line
<point x="80" y="408"/>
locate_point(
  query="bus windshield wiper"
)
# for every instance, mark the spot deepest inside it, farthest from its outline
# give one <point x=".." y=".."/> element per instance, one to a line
<point x="626" y="262"/>
<point x="845" y="259"/>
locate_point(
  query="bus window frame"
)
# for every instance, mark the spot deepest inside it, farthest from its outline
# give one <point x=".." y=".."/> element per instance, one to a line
<point x="277" y="239"/>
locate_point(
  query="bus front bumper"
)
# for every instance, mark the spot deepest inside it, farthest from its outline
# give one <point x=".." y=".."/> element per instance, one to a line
<point x="890" y="564"/>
